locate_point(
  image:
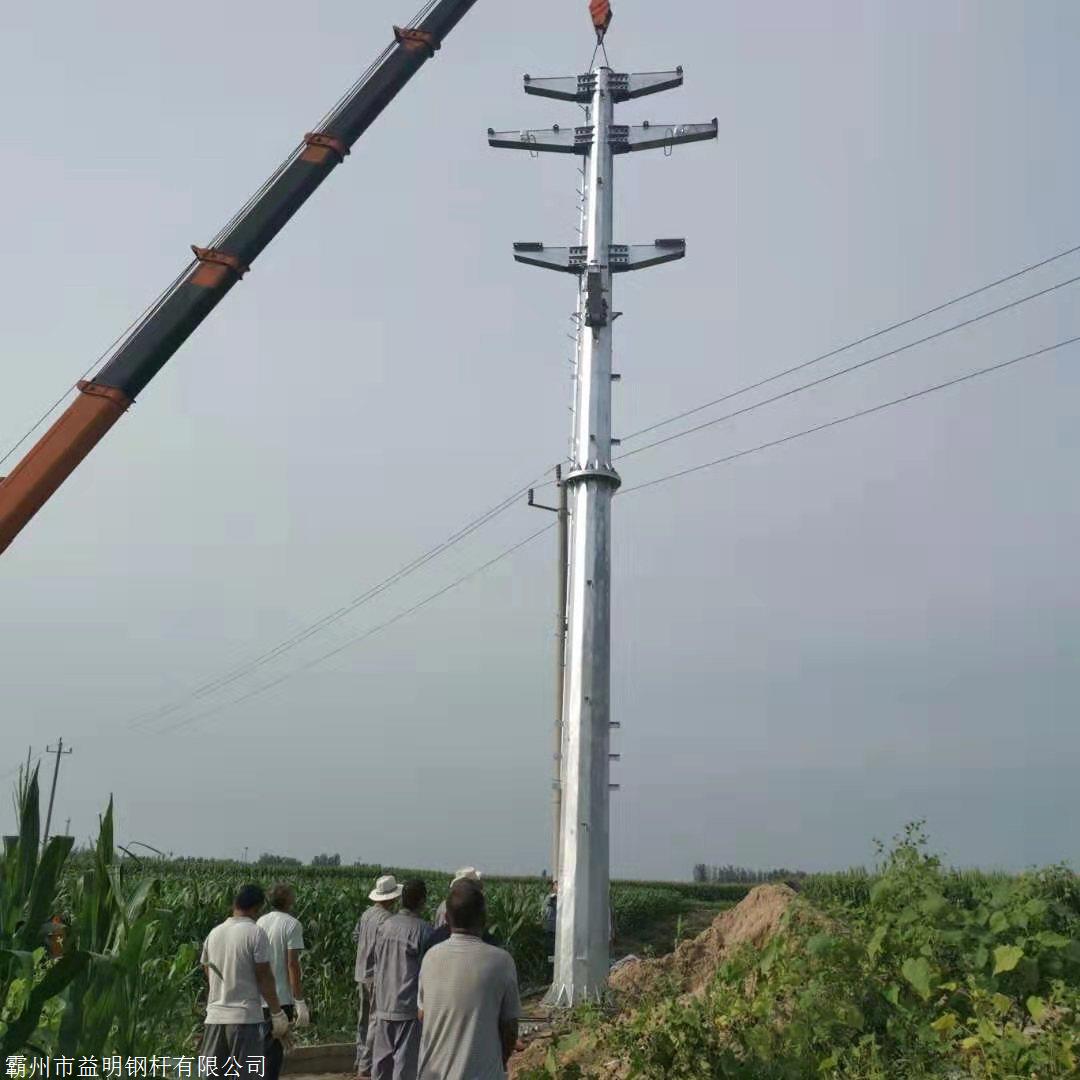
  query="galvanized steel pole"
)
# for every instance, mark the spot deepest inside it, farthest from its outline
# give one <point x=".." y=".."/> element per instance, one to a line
<point x="583" y="925"/>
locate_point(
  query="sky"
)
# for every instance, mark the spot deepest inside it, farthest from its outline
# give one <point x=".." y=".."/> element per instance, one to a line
<point x="812" y="645"/>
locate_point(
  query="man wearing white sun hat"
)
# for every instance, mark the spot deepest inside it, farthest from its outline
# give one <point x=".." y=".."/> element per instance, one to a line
<point x="466" y="873"/>
<point x="383" y="897"/>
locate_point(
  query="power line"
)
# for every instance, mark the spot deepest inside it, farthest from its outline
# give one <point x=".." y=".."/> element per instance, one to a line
<point x="321" y="624"/>
<point x="847" y="370"/>
<point x="850" y="416"/>
<point x="852" y="344"/>
<point x="504" y="554"/>
<point x="234" y="674"/>
<point x="638" y="487"/>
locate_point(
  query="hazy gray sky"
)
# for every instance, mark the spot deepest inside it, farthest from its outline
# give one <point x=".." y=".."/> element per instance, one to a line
<point x="811" y="645"/>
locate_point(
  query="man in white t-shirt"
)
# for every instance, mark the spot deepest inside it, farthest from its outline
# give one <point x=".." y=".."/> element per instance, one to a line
<point x="286" y="937"/>
<point x="236" y="961"/>
<point x="468" y="999"/>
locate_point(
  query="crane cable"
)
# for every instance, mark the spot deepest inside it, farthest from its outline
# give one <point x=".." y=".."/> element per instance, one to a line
<point x="221" y="236"/>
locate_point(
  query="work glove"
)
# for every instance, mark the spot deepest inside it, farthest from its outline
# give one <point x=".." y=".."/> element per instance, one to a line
<point x="279" y="1025"/>
<point x="303" y="1014"/>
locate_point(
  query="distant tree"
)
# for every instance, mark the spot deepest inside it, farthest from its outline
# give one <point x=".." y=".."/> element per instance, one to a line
<point x="326" y="860"/>
<point x="701" y="873"/>
<point x="269" y="859"/>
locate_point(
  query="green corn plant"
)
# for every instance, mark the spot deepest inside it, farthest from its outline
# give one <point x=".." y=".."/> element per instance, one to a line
<point x="29" y="897"/>
<point x="122" y="1001"/>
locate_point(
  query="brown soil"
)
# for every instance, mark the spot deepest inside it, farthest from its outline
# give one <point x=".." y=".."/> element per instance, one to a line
<point x="690" y="967"/>
<point x="694" y="963"/>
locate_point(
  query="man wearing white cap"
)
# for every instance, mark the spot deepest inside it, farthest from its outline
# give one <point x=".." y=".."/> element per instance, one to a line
<point x="466" y="873"/>
<point x="384" y="896"/>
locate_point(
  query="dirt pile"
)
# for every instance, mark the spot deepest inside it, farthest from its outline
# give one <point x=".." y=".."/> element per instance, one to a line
<point x="694" y="963"/>
<point x="692" y="967"/>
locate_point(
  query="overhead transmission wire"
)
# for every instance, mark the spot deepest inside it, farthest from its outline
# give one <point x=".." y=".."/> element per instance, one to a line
<point x="371" y="632"/>
<point x="978" y="373"/>
<point x="852" y="344"/>
<point x="852" y="367"/>
<point x="505" y="553"/>
<point x="231" y="676"/>
<point x="312" y="629"/>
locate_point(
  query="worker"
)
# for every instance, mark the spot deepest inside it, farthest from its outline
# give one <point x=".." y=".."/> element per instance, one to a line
<point x="548" y="919"/>
<point x="469" y="1003"/>
<point x="466" y="873"/>
<point x="286" y="937"/>
<point x="383" y="898"/>
<point x="399" y="947"/>
<point x="236" y="962"/>
<point x="53" y="933"/>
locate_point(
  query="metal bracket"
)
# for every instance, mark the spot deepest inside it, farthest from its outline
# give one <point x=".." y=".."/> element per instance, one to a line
<point x="553" y="140"/>
<point x="626" y="138"/>
<point x="626" y="257"/>
<point x="318" y="146"/>
<point x="593" y="473"/>
<point x="621" y="257"/>
<point x="214" y="265"/>
<point x="414" y="40"/>
<point x="622" y="86"/>
<point x="596" y="306"/>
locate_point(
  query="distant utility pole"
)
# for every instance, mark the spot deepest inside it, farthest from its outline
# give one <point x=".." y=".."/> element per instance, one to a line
<point x="583" y="927"/>
<point x="60" y="752"/>
<point x="67" y="827"/>
<point x="562" y="521"/>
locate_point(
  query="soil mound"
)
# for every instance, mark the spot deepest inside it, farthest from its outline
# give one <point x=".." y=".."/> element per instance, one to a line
<point x="694" y="963"/>
<point x="754" y="920"/>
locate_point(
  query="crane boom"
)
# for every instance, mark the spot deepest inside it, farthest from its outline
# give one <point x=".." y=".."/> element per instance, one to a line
<point x="141" y="354"/>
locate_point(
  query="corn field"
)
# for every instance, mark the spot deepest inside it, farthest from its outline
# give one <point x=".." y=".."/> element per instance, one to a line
<point x="127" y="980"/>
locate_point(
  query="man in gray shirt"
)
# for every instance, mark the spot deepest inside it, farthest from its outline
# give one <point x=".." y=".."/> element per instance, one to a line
<point x="383" y="897"/>
<point x="469" y="1003"/>
<point x="399" y="947"/>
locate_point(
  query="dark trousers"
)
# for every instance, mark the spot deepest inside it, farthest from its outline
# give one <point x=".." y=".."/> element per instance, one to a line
<point x="273" y="1051"/>
<point x="242" y="1042"/>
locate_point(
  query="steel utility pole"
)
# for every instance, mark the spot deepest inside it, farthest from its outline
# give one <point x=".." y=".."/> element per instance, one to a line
<point x="582" y="941"/>
<point x="59" y="751"/>
<point x="562" y="521"/>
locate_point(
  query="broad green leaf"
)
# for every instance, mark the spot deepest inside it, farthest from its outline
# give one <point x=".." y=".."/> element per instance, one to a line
<point x="892" y="994"/>
<point x="876" y="941"/>
<point x="1051" y="940"/>
<point x="1006" y="957"/>
<point x="1037" y="1007"/>
<point x="970" y="1043"/>
<point x="999" y="922"/>
<point x="1035" y="908"/>
<point x="917" y="972"/>
<point x="1001" y="1003"/>
<point x="933" y="904"/>
<point x="943" y="1025"/>
<point x="980" y="958"/>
